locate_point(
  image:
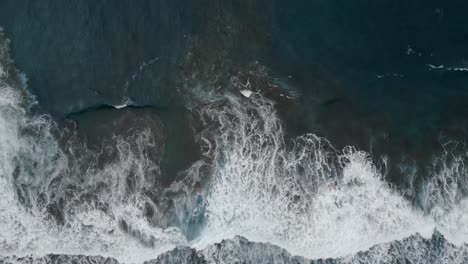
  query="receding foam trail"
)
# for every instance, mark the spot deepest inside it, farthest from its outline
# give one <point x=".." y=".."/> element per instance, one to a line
<point x="31" y="162"/>
<point x="444" y="196"/>
<point x="28" y="229"/>
<point x="303" y="195"/>
<point x="308" y="198"/>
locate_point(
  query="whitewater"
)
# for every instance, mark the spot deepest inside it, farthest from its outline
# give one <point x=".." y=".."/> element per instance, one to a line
<point x="302" y="194"/>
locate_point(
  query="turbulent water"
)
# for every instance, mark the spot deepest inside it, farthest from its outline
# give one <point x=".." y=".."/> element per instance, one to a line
<point x="96" y="186"/>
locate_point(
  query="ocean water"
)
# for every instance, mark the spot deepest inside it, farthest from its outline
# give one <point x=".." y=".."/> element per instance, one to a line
<point x="233" y="132"/>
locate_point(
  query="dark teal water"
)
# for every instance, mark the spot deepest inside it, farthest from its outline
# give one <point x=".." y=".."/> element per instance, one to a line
<point x="380" y="75"/>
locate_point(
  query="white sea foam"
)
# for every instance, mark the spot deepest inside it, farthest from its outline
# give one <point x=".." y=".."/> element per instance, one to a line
<point x="246" y="93"/>
<point x="30" y="158"/>
<point x="305" y="196"/>
<point x="125" y="102"/>
<point x="435" y="67"/>
<point x="120" y="106"/>
<point x="308" y="198"/>
<point x="458" y="69"/>
<point x="312" y="201"/>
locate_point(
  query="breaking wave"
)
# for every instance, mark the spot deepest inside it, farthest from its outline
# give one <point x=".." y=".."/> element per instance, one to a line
<point x="312" y="199"/>
<point x="42" y="185"/>
<point x="302" y="194"/>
